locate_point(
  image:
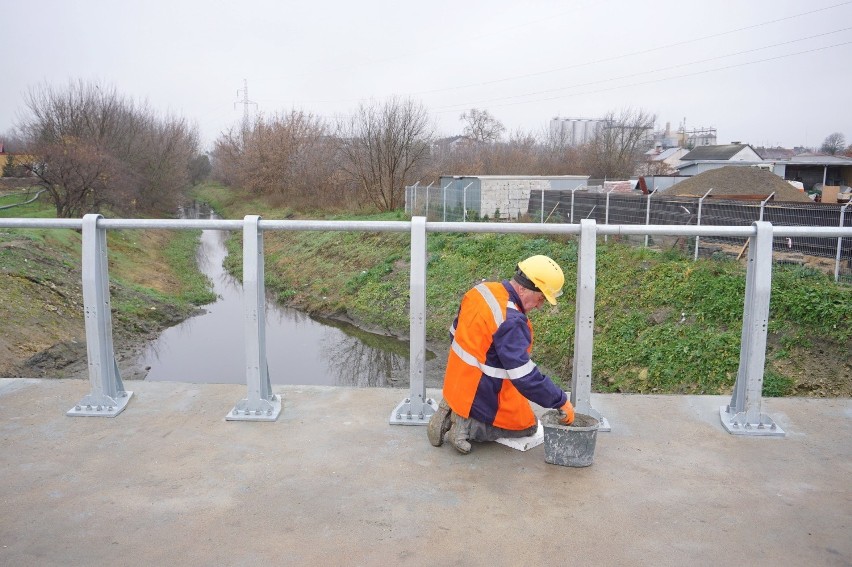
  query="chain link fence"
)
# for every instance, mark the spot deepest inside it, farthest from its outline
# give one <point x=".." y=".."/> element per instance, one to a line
<point x="832" y="255"/>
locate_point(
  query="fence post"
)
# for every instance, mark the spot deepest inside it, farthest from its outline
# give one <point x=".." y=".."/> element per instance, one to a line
<point x="700" y="202"/>
<point x="416" y="409"/>
<point x="542" y="205"/>
<point x="427" y="200"/>
<point x="261" y="404"/>
<point x="584" y="324"/>
<point x="743" y="416"/>
<point x="648" y="215"/>
<point x="464" y="201"/>
<point x="444" y="191"/>
<point x="108" y="397"/>
<point x="839" y="242"/>
<point x="572" y="204"/>
<point x="606" y="213"/>
<point x="763" y="204"/>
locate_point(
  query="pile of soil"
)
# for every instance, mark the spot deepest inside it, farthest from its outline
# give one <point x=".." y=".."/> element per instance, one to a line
<point x="733" y="180"/>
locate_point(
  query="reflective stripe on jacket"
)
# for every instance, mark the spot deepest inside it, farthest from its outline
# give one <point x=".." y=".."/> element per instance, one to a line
<point x="489" y="373"/>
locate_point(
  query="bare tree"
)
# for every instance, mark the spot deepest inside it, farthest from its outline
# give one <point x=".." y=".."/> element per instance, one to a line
<point x="382" y="145"/>
<point x="833" y="143"/>
<point x="616" y="150"/>
<point x="289" y="157"/>
<point x="481" y="126"/>
<point x="163" y="160"/>
<point x="95" y="148"/>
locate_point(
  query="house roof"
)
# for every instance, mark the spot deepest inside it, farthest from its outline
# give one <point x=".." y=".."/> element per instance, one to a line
<point x="453" y="140"/>
<point x="663" y="155"/>
<point x="775" y="153"/>
<point x="719" y="152"/>
<point x="531" y="177"/>
<point x="820" y="160"/>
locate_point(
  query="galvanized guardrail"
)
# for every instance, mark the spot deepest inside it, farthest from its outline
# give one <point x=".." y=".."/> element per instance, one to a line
<point x="108" y="397"/>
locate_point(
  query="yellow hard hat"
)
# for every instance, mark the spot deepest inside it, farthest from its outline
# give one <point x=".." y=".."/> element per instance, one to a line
<point x="544" y="274"/>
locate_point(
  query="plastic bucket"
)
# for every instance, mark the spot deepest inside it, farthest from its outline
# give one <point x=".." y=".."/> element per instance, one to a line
<point x="569" y="445"/>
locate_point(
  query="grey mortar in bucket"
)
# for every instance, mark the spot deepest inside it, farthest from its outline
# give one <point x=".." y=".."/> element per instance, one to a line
<point x="569" y="445"/>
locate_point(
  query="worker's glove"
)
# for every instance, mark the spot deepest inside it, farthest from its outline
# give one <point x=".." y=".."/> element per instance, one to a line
<point x="566" y="413"/>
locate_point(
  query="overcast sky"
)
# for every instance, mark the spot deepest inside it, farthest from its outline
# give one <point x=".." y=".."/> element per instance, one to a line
<point x="765" y="72"/>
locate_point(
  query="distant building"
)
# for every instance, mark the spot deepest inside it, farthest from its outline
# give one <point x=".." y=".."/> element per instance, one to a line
<point x="443" y="147"/>
<point x="660" y="161"/>
<point x="705" y="158"/>
<point x="575" y="131"/>
<point x="813" y="171"/>
<point x="775" y="153"/>
<point x="502" y="197"/>
<point x="698" y="137"/>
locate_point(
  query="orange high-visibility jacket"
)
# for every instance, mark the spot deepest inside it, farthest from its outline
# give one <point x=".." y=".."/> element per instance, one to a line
<point x="489" y="373"/>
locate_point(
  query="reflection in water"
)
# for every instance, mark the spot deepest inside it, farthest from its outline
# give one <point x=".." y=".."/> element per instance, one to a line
<point x="209" y="348"/>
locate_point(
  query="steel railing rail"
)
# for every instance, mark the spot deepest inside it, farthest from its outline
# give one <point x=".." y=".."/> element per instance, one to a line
<point x="108" y="397"/>
<point x="405" y="226"/>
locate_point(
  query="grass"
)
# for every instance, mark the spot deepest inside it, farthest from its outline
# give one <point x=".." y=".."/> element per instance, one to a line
<point x="147" y="268"/>
<point x="663" y="324"/>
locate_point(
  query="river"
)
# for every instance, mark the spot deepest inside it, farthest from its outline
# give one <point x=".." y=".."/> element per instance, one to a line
<point x="209" y="348"/>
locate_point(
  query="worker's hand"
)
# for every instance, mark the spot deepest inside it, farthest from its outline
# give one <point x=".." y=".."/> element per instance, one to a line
<point x="568" y="411"/>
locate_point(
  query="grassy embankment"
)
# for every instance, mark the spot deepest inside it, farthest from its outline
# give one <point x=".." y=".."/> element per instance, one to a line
<point x="664" y="324"/>
<point x="154" y="284"/>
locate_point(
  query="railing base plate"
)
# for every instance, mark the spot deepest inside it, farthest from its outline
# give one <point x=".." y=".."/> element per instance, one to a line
<point x="404" y="415"/>
<point x="108" y="409"/>
<point x="269" y="411"/>
<point x="735" y="424"/>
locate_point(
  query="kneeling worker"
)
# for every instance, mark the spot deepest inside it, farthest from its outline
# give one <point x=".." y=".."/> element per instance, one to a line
<point x="489" y="375"/>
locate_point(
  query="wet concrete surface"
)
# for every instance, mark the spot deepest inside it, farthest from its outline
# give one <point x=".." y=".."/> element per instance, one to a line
<point x="169" y="481"/>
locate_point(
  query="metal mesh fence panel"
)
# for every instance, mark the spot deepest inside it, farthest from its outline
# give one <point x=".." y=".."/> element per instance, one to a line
<point x="454" y="204"/>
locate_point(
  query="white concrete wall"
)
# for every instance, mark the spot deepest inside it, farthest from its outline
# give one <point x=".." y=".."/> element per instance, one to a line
<point x="511" y="196"/>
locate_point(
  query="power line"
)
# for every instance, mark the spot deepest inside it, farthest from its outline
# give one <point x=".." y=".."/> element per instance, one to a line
<point x="668" y="68"/>
<point x="457" y="107"/>
<point x="597" y="61"/>
<point x="632" y="54"/>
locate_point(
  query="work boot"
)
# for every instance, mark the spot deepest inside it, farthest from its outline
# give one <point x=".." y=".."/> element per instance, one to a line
<point x="458" y="434"/>
<point x="439" y="424"/>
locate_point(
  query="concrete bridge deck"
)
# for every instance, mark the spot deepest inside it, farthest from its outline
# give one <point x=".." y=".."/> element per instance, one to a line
<point x="169" y="481"/>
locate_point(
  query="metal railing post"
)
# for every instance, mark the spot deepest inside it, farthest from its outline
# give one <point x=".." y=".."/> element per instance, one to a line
<point x="839" y="242"/>
<point x="416" y="409"/>
<point x="261" y="404"/>
<point x="108" y="397"/>
<point x="743" y="416"/>
<point x="584" y="324"/>
<point x="542" y="205"/>
<point x="698" y="223"/>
